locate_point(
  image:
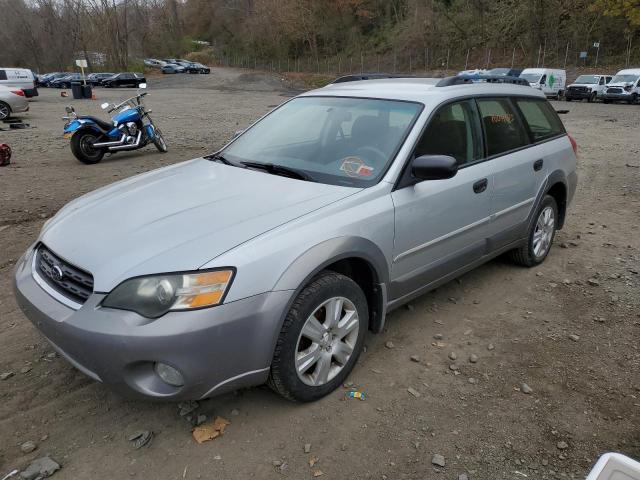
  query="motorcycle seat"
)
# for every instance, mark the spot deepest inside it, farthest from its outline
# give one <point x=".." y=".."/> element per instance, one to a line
<point x="105" y="126"/>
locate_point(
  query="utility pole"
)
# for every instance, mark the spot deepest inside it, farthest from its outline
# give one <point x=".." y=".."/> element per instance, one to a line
<point x="566" y="55"/>
<point x="466" y="62"/>
<point x="513" y="56"/>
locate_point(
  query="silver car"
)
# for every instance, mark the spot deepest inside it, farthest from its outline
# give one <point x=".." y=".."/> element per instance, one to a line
<point x="270" y="260"/>
<point x="12" y="100"/>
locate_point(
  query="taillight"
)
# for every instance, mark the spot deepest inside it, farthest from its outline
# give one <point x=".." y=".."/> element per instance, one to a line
<point x="18" y="92"/>
<point x="574" y="145"/>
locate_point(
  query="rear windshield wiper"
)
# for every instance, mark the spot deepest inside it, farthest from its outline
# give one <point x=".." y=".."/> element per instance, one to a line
<point x="279" y="170"/>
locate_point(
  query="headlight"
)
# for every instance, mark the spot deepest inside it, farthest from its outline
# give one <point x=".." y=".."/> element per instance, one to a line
<point x="153" y="296"/>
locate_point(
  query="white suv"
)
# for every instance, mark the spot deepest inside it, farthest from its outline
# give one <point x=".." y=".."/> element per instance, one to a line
<point x="590" y="87"/>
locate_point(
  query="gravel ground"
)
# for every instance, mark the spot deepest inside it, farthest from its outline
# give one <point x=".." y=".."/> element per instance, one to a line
<point x="554" y="380"/>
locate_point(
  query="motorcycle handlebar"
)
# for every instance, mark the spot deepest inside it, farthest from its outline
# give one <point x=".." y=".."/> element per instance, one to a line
<point x="116" y="107"/>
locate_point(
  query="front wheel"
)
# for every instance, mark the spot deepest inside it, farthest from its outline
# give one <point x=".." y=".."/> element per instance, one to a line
<point x="540" y="235"/>
<point x="633" y="99"/>
<point x="82" y="147"/>
<point x="321" y="338"/>
<point x="592" y="97"/>
<point x="5" y="110"/>
<point x="158" y="141"/>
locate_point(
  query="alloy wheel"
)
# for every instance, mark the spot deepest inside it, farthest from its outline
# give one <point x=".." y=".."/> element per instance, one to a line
<point x="543" y="234"/>
<point x="4" y="111"/>
<point x="327" y="341"/>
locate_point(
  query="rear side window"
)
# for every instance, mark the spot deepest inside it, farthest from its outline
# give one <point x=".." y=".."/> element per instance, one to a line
<point x="3" y="75"/>
<point x="542" y="121"/>
<point x="502" y="128"/>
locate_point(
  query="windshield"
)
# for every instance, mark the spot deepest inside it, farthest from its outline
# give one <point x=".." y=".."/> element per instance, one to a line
<point x="336" y="140"/>
<point x="531" y="77"/>
<point x="587" y="79"/>
<point x="499" y="71"/>
<point x="625" y="78"/>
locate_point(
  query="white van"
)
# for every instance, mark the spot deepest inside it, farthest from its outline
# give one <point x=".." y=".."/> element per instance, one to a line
<point x="624" y="86"/>
<point x="551" y="81"/>
<point x="19" y="78"/>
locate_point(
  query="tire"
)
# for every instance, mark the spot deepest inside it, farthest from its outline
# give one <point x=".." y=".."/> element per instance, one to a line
<point x="606" y="101"/>
<point x="592" y="97"/>
<point x="309" y="381"/>
<point x="80" y="146"/>
<point x="5" y="110"/>
<point x="634" y="99"/>
<point x="158" y="141"/>
<point x="529" y="255"/>
<point x="568" y="99"/>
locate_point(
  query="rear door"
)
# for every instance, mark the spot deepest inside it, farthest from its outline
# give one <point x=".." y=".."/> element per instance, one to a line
<point x="523" y="165"/>
<point x="442" y="225"/>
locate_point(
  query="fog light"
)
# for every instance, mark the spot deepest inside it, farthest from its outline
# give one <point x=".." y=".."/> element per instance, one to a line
<point x="169" y="375"/>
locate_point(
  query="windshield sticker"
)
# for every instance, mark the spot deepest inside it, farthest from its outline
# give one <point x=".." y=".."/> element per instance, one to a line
<point x="355" y="167"/>
<point x="504" y="118"/>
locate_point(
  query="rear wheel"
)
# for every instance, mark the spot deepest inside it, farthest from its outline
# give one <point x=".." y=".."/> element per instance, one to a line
<point x="82" y="147"/>
<point x="540" y="235"/>
<point x="5" y="110"/>
<point x="321" y="338"/>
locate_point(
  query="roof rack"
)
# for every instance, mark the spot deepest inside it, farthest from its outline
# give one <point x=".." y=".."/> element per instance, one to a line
<point x="369" y="76"/>
<point x="462" y="79"/>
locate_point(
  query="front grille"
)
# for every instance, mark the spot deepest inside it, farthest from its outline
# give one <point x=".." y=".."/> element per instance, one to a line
<point x="614" y="90"/>
<point x="578" y="89"/>
<point x="63" y="277"/>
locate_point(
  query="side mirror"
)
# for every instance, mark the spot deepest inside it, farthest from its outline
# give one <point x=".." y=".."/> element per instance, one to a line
<point x="142" y="85"/>
<point x="69" y="109"/>
<point x="434" y="167"/>
<point x="104" y="106"/>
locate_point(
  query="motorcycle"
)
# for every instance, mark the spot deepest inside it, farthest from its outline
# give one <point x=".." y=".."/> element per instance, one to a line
<point x="91" y="137"/>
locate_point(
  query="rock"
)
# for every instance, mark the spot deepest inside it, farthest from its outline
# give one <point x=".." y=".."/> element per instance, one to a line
<point x="453" y="356"/>
<point x="490" y="347"/>
<point x="438" y="336"/>
<point x="141" y="439"/>
<point x="200" y="419"/>
<point x="526" y="389"/>
<point x="235" y="412"/>
<point x="307" y="448"/>
<point x="40" y="468"/>
<point x="473" y="358"/>
<point x="277" y="463"/>
<point x="6" y="375"/>
<point x="413" y="392"/>
<point x="574" y="337"/>
<point x="438" y="460"/>
<point x="593" y="282"/>
<point x="389" y="345"/>
<point x="410" y="307"/>
<point x="472" y="381"/>
<point x="562" y="445"/>
<point x="185" y="408"/>
<point x="545" y="462"/>
<point x="26" y="369"/>
<point x="28" y="446"/>
<point x="453" y="367"/>
<point x="463" y="476"/>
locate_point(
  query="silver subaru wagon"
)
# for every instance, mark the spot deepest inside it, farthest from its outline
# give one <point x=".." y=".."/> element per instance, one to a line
<point x="269" y="260"/>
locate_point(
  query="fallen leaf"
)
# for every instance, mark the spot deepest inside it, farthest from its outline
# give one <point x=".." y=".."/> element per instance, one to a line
<point x="318" y="473"/>
<point x="313" y="460"/>
<point x="210" y="431"/>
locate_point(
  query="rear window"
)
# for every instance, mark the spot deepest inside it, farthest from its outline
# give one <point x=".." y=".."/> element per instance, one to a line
<point x="542" y="121"/>
<point x="502" y="128"/>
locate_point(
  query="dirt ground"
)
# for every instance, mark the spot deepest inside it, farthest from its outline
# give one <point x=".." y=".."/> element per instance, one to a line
<point x="519" y="323"/>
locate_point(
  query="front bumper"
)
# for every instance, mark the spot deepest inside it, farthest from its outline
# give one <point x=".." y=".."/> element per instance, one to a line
<point x="577" y="95"/>
<point x="617" y="97"/>
<point x="216" y="349"/>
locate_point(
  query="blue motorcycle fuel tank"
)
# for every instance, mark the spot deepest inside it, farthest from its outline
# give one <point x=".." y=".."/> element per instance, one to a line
<point x="129" y="115"/>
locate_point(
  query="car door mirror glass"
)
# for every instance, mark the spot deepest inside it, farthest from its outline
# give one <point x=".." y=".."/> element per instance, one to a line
<point x="434" y="167"/>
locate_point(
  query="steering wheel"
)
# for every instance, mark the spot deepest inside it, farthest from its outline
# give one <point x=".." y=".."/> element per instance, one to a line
<point x="372" y="155"/>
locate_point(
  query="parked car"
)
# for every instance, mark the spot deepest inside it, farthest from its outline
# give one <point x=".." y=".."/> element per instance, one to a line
<point x="65" y="82"/>
<point x="46" y="79"/>
<point x="124" y="80"/>
<point x="152" y="62"/>
<point x="588" y="87"/>
<point x="474" y="71"/>
<point x="507" y="72"/>
<point x="548" y="80"/>
<point x="96" y="79"/>
<point x="12" y="100"/>
<point x="269" y="260"/>
<point x="172" y="68"/>
<point x="197" y="68"/>
<point x="624" y="86"/>
<point x="21" y="78"/>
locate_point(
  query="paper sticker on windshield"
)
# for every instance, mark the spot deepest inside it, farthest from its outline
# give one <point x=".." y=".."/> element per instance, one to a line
<point x="355" y="167"/>
<point x="504" y="118"/>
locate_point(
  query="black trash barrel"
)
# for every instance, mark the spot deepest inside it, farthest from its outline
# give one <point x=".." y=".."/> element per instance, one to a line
<point x="86" y="91"/>
<point x="76" y="90"/>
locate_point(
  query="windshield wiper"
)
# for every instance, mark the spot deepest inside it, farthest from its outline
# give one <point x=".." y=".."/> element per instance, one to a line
<point x="279" y="170"/>
<point x="218" y="157"/>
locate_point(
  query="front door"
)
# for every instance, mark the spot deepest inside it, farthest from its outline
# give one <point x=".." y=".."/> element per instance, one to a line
<point x="442" y="225"/>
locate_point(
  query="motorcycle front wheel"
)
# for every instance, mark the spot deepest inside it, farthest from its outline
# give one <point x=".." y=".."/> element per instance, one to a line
<point x="158" y="141"/>
<point x="82" y="147"/>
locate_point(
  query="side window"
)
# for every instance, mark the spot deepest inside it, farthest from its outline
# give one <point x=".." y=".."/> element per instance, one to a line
<point x="541" y="119"/>
<point x="502" y="128"/>
<point x="452" y="131"/>
<point x="3" y="75"/>
<point x="543" y="80"/>
<point x="601" y="81"/>
<point x="609" y="79"/>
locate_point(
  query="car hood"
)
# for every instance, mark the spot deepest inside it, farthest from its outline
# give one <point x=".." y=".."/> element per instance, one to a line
<point x="619" y="84"/>
<point x="590" y="85"/>
<point x="177" y="218"/>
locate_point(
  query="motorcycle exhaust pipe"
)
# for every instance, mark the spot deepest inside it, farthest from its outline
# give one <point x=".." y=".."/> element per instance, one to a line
<point x="131" y="146"/>
<point x="110" y="144"/>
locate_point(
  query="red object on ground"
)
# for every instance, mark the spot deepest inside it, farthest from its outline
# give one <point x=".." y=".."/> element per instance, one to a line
<point x="5" y="154"/>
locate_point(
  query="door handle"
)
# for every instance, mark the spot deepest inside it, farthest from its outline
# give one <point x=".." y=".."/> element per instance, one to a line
<point x="537" y="165"/>
<point x="480" y="186"/>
